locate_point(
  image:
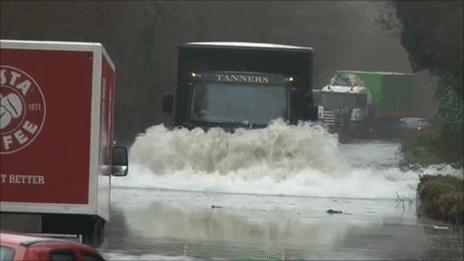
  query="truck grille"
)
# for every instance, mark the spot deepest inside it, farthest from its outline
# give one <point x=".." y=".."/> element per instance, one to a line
<point x="329" y="118"/>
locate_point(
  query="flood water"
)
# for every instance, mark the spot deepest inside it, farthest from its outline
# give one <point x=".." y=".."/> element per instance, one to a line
<point x="282" y="193"/>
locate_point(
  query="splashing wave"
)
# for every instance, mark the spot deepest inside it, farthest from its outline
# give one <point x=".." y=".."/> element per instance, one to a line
<point x="302" y="160"/>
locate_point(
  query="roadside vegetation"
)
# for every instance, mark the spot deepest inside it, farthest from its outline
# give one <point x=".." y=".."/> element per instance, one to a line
<point x="442" y="142"/>
<point x="432" y="35"/>
<point x="442" y="198"/>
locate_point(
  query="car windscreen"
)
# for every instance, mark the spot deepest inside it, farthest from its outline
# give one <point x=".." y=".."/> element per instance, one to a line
<point x="6" y="253"/>
<point x="239" y="103"/>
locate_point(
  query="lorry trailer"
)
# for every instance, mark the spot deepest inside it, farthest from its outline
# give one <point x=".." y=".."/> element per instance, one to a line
<point x="57" y="149"/>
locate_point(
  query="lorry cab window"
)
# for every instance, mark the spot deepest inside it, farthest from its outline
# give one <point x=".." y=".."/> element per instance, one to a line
<point x="333" y="100"/>
<point x="221" y="102"/>
<point x="346" y="79"/>
<point x="340" y="80"/>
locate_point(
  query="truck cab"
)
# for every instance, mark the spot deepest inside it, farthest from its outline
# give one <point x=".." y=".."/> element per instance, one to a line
<point x="237" y="99"/>
<point x="343" y="104"/>
<point x="241" y="85"/>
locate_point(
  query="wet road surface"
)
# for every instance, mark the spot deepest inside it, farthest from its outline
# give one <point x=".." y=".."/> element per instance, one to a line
<point x="224" y="226"/>
<point x="155" y="224"/>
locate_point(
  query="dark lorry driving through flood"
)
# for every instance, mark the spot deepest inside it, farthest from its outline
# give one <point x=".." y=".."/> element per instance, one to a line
<point x="232" y="85"/>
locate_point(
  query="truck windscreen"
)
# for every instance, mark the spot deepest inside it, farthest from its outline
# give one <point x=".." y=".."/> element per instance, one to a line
<point x="241" y="103"/>
<point x="339" y="100"/>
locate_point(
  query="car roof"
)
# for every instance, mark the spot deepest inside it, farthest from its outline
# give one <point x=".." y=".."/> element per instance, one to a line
<point x="27" y="240"/>
<point x="14" y="238"/>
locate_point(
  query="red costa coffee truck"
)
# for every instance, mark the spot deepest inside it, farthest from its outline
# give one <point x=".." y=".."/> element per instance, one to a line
<point x="56" y="144"/>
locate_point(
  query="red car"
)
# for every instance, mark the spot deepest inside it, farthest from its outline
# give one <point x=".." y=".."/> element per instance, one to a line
<point x="19" y="247"/>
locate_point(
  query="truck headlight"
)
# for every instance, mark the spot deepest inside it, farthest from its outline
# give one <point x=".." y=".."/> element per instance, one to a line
<point x="356" y="114"/>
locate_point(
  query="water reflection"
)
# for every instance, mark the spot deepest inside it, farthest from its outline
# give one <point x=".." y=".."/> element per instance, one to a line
<point x="245" y="226"/>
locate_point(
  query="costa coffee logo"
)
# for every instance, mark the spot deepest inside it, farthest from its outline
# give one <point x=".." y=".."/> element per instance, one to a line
<point x="22" y="109"/>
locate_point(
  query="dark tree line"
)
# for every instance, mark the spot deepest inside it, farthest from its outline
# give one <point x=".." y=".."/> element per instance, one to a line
<point x="433" y="36"/>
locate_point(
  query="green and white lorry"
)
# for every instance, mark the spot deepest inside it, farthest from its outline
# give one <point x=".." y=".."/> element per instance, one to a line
<point x="361" y="102"/>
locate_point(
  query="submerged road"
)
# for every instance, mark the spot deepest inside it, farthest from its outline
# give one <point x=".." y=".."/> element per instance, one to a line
<point x="153" y="224"/>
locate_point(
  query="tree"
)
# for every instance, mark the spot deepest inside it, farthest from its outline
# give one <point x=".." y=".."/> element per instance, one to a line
<point x="433" y="35"/>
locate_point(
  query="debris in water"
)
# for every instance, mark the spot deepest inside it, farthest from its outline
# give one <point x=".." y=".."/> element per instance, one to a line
<point x="440" y="227"/>
<point x="332" y="211"/>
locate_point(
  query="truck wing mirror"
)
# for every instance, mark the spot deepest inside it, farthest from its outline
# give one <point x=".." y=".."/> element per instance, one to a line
<point x="167" y="103"/>
<point x="119" y="162"/>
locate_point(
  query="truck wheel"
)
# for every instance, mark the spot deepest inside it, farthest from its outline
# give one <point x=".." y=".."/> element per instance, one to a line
<point x="94" y="234"/>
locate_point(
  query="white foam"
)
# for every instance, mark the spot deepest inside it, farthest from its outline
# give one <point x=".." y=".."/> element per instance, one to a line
<point x="442" y="169"/>
<point x="301" y="160"/>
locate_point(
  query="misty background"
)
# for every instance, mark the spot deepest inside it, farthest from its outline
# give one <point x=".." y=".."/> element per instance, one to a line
<point x="142" y="38"/>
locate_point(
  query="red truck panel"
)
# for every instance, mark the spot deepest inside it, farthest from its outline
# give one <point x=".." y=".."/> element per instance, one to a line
<point x="52" y="164"/>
